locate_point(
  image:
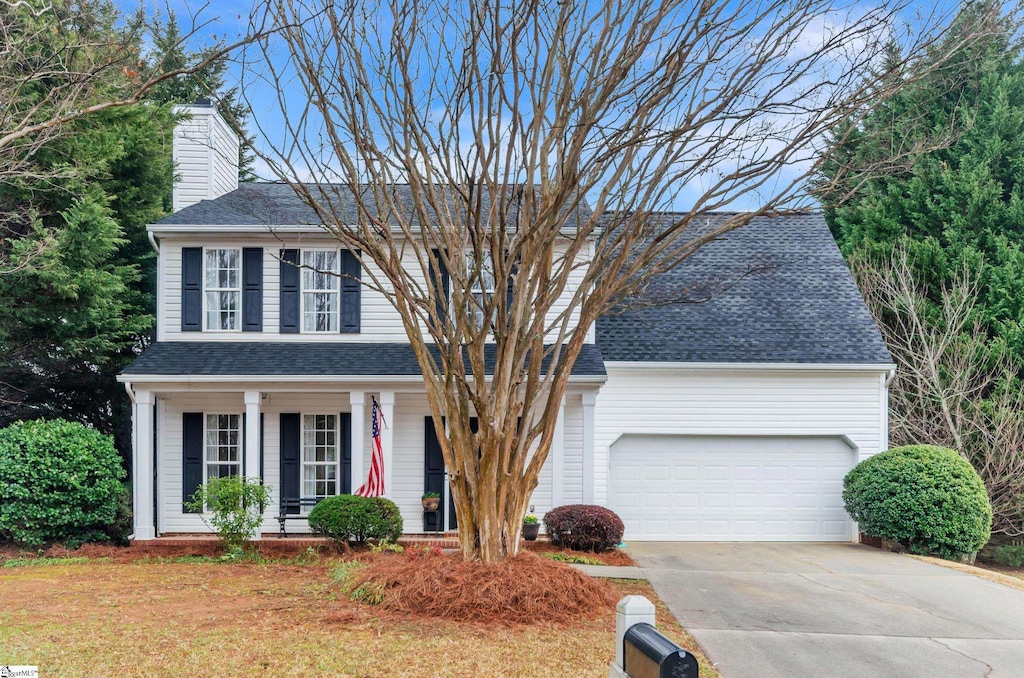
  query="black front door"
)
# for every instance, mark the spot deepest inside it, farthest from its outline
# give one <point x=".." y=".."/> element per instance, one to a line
<point x="434" y="474"/>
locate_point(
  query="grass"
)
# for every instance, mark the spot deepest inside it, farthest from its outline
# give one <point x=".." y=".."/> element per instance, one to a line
<point x="1007" y="576"/>
<point x="103" y="618"/>
<point x="568" y="558"/>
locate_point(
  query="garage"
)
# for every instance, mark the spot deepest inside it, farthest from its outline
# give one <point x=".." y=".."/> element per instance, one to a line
<point x="731" y="488"/>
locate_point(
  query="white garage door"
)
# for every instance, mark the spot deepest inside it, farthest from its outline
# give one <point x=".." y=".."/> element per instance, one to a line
<point x="730" y="488"/>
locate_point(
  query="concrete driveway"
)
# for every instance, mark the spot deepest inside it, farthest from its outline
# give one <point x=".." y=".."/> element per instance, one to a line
<point x="836" y="610"/>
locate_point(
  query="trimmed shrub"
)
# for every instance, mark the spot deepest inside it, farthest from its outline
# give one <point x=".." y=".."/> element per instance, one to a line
<point x="349" y="518"/>
<point x="233" y="506"/>
<point x="59" y="481"/>
<point x="583" y="527"/>
<point x="926" y="498"/>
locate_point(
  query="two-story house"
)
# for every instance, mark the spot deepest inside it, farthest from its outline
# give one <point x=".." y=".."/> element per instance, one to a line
<point x="733" y="419"/>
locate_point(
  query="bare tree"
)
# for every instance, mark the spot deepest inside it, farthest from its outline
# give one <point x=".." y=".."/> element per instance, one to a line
<point x="952" y="387"/>
<point x="61" y="61"/>
<point x="540" y="143"/>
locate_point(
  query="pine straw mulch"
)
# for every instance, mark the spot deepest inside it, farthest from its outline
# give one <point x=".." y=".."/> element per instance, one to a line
<point x="157" y="550"/>
<point x="522" y="590"/>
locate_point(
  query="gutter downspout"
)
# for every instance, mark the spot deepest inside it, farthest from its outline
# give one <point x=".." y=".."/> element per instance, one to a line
<point x="152" y="242"/>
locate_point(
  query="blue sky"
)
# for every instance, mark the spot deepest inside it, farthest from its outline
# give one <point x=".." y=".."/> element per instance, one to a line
<point x="228" y="20"/>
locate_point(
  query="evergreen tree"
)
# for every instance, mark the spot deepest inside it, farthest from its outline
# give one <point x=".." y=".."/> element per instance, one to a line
<point x="954" y="194"/>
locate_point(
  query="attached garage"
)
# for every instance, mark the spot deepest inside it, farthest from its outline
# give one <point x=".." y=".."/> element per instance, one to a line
<point x="731" y="488"/>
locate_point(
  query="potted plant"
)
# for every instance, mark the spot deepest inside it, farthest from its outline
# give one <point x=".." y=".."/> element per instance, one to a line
<point x="431" y="500"/>
<point x="531" y="527"/>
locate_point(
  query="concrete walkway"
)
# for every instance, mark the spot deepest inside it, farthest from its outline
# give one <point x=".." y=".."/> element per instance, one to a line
<point x="836" y="610"/>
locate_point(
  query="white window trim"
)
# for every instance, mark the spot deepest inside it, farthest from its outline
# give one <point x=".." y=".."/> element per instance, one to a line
<point x="336" y="290"/>
<point x="472" y="310"/>
<point x="302" y="453"/>
<point x="206" y="437"/>
<point x="238" y="290"/>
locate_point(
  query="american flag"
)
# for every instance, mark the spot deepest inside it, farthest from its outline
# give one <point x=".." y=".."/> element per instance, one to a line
<point x="374" y="485"/>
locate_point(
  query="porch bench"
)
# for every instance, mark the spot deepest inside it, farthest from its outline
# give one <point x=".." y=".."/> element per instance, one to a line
<point x="296" y="503"/>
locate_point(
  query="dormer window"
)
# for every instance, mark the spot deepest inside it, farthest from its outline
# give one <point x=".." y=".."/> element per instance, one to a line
<point x="223" y="289"/>
<point x="320" y="290"/>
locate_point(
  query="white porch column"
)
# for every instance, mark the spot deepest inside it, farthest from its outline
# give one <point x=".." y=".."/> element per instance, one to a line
<point x="558" y="459"/>
<point x="589" y="467"/>
<point x="251" y="458"/>
<point x="142" y="466"/>
<point x="387" y="438"/>
<point x="358" y="400"/>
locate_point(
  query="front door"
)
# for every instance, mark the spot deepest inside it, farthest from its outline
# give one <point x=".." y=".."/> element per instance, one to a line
<point x="434" y="476"/>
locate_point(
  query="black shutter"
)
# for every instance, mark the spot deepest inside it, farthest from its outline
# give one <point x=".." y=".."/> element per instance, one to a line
<point x="290" y="472"/>
<point x="351" y="273"/>
<point x="192" y="456"/>
<point x="289" y="311"/>
<point x="252" y="289"/>
<point x="442" y="301"/>
<point x="191" y="289"/>
<point x="345" y="438"/>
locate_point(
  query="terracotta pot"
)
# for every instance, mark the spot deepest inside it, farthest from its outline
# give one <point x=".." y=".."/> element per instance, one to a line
<point x="530" y="531"/>
<point x="431" y="504"/>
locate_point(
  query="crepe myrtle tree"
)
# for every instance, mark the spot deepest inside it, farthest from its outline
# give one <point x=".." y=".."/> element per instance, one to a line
<point x="502" y="171"/>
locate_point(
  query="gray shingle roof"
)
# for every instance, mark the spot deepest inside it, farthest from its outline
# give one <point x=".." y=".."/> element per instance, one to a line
<point x="802" y="306"/>
<point x="238" y="358"/>
<point x="277" y="204"/>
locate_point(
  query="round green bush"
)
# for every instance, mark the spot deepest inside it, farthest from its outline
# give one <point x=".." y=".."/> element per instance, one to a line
<point x="59" y="481"/>
<point x="348" y="518"/>
<point x="584" y="527"/>
<point x="927" y="498"/>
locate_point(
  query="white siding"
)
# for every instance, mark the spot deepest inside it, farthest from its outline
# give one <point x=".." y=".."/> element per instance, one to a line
<point x="735" y="402"/>
<point x="573" y="454"/>
<point x="379" y="320"/>
<point x="191" y="161"/>
<point x="205" y="152"/>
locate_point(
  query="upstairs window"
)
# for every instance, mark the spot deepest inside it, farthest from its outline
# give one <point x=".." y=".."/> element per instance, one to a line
<point x="223" y="289"/>
<point x="481" y="288"/>
<point x="320" y="290"/>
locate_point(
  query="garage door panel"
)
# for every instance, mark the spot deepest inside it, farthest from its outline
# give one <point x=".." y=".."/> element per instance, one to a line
<point x="730" y="488"/>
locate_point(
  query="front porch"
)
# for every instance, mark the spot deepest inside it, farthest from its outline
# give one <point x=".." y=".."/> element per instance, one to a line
<point x="313" y="438"/>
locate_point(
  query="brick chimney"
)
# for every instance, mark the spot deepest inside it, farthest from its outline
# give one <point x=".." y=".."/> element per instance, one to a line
<point x="205" y="155"/>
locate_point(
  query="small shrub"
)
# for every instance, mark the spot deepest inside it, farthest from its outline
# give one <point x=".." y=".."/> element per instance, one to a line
<point x="349" y="518"/>
<point x="386" y="546"/>
<point x="59" y="481"/>
<point x="926" y="498"/>
<point x="232" y="506"/>
<point x="1010" y="555"/>
<point x="583" y="527"/>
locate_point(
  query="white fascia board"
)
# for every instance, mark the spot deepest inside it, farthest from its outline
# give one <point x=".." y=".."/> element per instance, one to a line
<point x="802" y="367"/>
<point x="298" y="378"/>
<point x="163" y="230"/>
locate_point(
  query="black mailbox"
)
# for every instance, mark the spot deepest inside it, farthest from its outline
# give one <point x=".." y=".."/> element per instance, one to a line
<point x="648" y="654"/>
